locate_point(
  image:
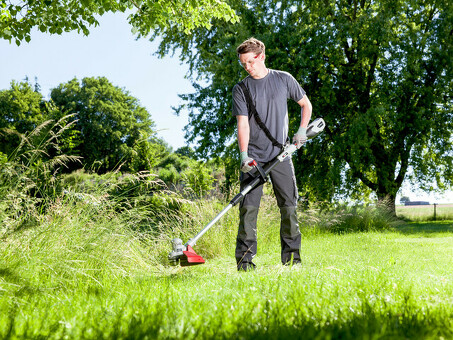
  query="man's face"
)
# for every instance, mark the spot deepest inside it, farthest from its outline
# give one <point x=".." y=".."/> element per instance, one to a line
<point x="253" y="63"/>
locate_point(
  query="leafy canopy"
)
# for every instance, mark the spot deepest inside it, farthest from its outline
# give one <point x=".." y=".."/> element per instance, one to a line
<point x="18" y="18"/>
<point x="111" y="124"/>
<point x="21" y="110"/>
<point x="379" y="72"/>
<point x="104" y="124"/>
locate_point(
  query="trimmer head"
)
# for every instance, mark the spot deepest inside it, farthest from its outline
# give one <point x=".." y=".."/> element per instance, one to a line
<point x="185" y="256"/>
<point x="190" y="258"/>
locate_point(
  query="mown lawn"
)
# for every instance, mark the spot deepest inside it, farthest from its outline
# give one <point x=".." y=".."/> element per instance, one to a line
<point x="375" y="285"/>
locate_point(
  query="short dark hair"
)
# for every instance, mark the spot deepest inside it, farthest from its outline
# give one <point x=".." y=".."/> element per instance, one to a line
<point x="251" y="45"/>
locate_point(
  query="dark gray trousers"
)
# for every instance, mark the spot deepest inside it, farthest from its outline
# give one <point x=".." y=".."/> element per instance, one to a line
<point x="285" y="189"/>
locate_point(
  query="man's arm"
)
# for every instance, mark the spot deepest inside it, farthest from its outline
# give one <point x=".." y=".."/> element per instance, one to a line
<point x="243" y="133"/>
<point x="301" y="135"/>
<point x="305" y="111"/>
<point x="243" y="141"/>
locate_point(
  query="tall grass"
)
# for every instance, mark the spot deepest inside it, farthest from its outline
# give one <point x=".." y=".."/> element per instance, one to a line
<point x="27" y="176"/>
<point x="345" y="218"/>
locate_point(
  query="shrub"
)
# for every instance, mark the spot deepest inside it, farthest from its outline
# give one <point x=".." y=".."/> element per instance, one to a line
<point x="169" y="175"/>
<point x="198" y="179"/>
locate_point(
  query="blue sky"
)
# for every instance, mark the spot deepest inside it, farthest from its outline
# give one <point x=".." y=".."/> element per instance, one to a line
<point x="111" y="51"/>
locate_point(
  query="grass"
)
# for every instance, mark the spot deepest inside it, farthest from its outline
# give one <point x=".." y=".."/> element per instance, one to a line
<point x="90" y="263"/>
<point x="83" y="273"/>
<point x="425" y="212"/>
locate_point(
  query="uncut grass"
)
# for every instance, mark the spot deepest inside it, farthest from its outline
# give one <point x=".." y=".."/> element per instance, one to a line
<point x="55" y="282"/>
<point x="425" y="213"/>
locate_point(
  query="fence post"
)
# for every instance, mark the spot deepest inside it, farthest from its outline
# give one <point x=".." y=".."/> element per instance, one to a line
<point x="435" y="211"/>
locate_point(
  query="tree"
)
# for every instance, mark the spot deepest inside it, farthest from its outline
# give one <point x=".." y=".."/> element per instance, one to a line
<point x="404" y="199"/>
<point x="379" y="72"/>
<point x="22" y="109"/>
<point x="111" y="124"/>
<point x="186" y="151"/>
<point x="17" y="18"/>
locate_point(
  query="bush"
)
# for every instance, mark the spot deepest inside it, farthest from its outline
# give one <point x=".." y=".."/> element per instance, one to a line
<point x="170" y="175"/>
<point x="198" y="179"/>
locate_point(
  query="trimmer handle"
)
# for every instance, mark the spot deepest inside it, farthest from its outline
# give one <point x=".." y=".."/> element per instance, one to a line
<point x="258" y="167"/>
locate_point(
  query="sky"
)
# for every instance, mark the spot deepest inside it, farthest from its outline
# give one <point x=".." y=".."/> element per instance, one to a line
<point x="112" y="51"/>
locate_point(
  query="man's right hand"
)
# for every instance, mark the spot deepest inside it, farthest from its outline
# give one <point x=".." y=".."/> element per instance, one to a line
<point x="245" y="162"/>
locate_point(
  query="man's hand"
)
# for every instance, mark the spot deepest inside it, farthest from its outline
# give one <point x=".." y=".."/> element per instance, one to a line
<point x="245" y="160"/>
<point x="300" y="137"/>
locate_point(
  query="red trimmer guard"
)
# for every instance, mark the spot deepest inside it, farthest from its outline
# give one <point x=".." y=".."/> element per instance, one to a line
<point x="190" y="258"/>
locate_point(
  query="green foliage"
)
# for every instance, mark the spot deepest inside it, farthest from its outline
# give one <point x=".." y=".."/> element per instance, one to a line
<point x="169" y="175"/>
<point x="193" y="178"/>
<point x="146" y="154"/>
<point x="18" y="18"/>
<point x="186" y="151"/>
<point x="184" y="16"/>
<point x="22" y="109"/>
<point x="378" y="72"/>
<point x="198" y="179"/>
<point x="141" y="196"/>
<point x="3" y="158"/>
<point x="55" y="17"/>
<point x="109" y="129"/>
<point x="112" y="128"/>
<point x="174" y="160"/>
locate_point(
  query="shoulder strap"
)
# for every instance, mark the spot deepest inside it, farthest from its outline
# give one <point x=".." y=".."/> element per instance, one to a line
<point x="252" y="109"/>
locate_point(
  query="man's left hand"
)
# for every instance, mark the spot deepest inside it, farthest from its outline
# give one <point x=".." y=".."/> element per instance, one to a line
<point x="300" y="137"/>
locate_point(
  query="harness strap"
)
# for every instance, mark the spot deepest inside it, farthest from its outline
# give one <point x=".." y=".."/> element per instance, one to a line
<point x="252" y="109"/>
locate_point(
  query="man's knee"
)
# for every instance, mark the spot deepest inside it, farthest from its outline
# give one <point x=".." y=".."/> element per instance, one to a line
<point x="248" y="216"/>
<point x="289" y="222"/>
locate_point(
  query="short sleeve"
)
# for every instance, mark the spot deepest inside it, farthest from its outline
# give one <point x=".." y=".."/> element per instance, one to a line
<point x="239" y="102"/>
<point x="295" y="91"/>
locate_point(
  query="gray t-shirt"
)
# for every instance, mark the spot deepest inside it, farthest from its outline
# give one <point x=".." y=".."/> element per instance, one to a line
<point x="270" y="95"/>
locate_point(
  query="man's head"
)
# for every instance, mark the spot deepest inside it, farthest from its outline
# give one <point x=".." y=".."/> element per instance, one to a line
<point x="251" y="45"/>
<point x="251" y="54"/>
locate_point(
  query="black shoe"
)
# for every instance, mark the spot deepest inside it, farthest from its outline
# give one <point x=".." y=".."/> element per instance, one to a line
<point x="246" y="266"/>
<point x="292" y="263"/>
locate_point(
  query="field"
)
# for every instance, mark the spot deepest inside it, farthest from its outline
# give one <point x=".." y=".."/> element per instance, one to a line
<point x="424" y="212"/>
<point x="84" y="275"/>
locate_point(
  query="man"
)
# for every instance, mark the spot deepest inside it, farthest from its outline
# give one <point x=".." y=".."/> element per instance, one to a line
<point x="269" y="90"/>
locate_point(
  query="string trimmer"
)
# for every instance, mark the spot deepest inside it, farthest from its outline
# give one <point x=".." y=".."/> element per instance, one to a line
<point x="184" y="253"/>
